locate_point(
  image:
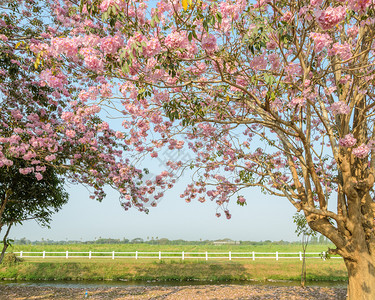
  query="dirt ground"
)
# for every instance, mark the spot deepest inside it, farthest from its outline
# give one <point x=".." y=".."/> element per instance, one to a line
<point x="200" y="292"/>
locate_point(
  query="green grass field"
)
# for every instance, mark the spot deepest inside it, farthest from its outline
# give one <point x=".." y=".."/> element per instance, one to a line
<point x="167" y="248"/>
<point x="171" y="269"/>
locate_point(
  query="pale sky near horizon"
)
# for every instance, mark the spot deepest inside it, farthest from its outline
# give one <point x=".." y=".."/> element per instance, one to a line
<point x="264" y="218"/>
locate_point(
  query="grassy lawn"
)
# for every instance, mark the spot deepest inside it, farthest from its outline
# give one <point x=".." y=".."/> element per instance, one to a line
<point x="171" y="269"/>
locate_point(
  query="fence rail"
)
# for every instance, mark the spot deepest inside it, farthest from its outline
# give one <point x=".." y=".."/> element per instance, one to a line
<point x="174" y="255"/>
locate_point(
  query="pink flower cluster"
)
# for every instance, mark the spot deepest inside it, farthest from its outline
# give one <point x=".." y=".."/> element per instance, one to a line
<point x="92" y="59"/>
<point x="330" y="17"/>
<point x="321" y="40"/>
<point x="342" y="50"/>
<point x="176" y="40"/>
<point x="110" y="44"/>
<point x="241" y="199"/>
<point x="297" y="102"/>
<point x="361" y="151"/>
<point x="53" y="80"/>
<point x="209" y="43"/>
<point x="348" y="141"/>
<point x="340" y="107"/>
<point x="107" y="3"/>
<point x="360" y="5"/>
<point x="66" y="46"/>
<point x="316" y="2"/>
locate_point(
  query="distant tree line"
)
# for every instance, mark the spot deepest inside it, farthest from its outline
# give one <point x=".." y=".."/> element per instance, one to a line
<point x="164" y="241"/>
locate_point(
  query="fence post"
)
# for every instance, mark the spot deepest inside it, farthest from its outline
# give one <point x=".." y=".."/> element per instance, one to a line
<point x="90" y="255"/>
<point x="67" y="254"/>
<point x="277" y="255"/>
<point x="136" y="254"/>
<point x="113" y="254"/>
<point x="44" y="254"/>
<point x="183" y="255"/>
<point x="159" y="255"/>
<point x="253" y="255"/>
<point x="21" y="254"/>
<point x="230" y="255"/>
<point x="206" y="255"/>
<point x="300" y="255"/>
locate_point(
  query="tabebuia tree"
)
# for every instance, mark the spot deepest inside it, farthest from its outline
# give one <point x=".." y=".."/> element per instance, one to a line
<point x="46" y="122"/>
<point x="269" y="94"/>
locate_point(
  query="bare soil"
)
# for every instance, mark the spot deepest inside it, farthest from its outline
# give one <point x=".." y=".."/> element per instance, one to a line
<point x="200" y="292"/>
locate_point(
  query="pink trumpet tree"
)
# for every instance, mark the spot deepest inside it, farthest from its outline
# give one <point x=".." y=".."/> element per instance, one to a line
<point x="46" y="121"/>
<point x="271" y="94"/>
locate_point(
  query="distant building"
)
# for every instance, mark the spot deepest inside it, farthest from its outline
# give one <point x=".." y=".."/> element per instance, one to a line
<point x="226" y="242"/>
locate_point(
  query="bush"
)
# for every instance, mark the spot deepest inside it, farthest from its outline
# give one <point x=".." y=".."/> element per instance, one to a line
<point x="10" y="259"/>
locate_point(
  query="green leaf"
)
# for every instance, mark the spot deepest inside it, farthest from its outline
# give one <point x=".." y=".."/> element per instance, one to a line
<point x="219" y="17"/>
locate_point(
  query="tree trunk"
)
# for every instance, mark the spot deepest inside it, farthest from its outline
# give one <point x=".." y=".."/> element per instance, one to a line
<point x="361" y="275"/>
<point x="5" y="243"/>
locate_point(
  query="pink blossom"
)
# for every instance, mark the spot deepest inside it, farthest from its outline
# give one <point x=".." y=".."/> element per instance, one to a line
<point x="293" y="69"/>
<point x="348" y="141"/>
<point x="153" y="47"/>
<point x="25" y="171"/>
<point x="29" y="155"/>
<point x="340" y="107"/>
<point x="360" y="5"/>
<point x="53" y="80"/>
<point x="110" y="44"/>
<point x="271" y="45"/>
<point x="274" y="60"/>
<point x="321" y="40"/>
<point x="241" y="199"/>
<point x="38" y="176"/>
<point x="330" y="17"/>
<point x="16" y="114"/>
<point x="65" y="46"/>
<point x="352" y="31"/>
<point x="316" y="2"/>
<point x="70" y="133"/>
<point x="209" y="43"/>
<point x="259" y="63"/>
<point x="40" y="168"/>
<point x="342" y="50"/>
<point x="50" y="157"/>
<point x="176" y="40"/>
<point x="6" y="162"/>
<point x="154" y="154"/>
<point x="119" y="135"/>
<point x="297" y="102"/>
<point x="361" y="151"/>
<point x="3" y="37"/>
<point x="106" y="4"/>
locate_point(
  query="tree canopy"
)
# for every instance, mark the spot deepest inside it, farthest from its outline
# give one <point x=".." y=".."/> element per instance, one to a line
<point x="24" y="197"/>
<point x="44" y="122"/>
<point x="271" y="94"/>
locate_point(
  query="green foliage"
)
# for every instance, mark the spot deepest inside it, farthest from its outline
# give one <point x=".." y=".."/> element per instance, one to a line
<point x="302" y="226"/>
<point x="29" y="198"/>
<point x="10" y="259"/>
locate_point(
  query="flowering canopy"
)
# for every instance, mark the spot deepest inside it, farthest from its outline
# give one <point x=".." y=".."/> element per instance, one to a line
<point x="43" y="120"/>
<point x="274" y="94"/>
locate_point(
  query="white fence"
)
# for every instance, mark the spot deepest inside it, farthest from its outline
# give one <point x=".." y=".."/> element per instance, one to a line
<point x="174" y="255"/>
